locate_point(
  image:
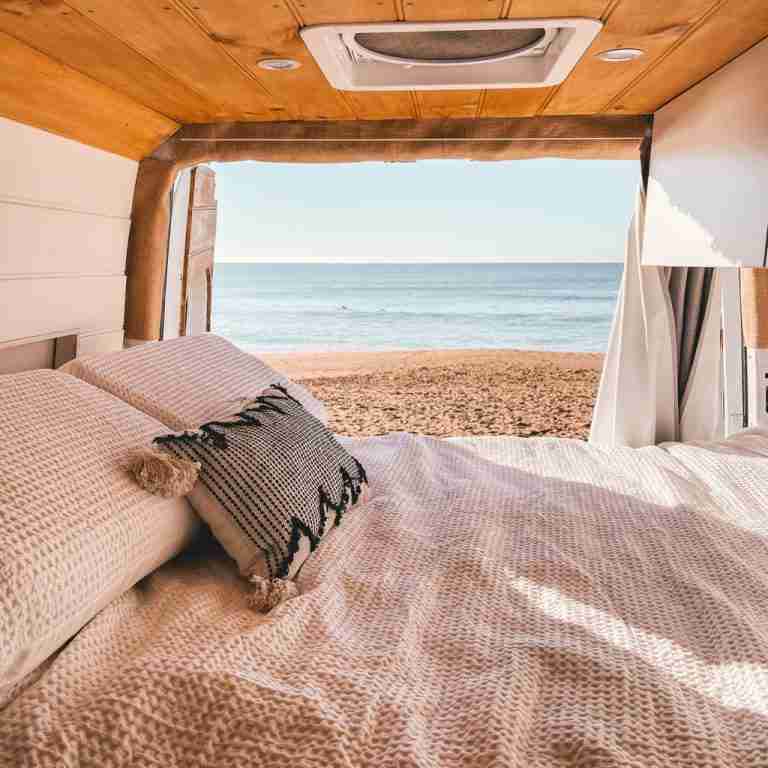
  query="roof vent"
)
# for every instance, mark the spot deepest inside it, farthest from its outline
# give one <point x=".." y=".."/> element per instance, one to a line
<point x="449" y="55"/>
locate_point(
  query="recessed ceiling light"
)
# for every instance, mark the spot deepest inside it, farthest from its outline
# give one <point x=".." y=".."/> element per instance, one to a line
<point x="618" y="55"/>
<point x="279" y="65"/>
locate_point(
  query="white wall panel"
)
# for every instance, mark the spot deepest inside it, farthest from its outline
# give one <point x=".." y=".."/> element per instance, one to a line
<point x="64" y="225"/>
<point x="40" y="167"/>
<point x="35" y="240"/>
<point x="38" y="306"/>
<point x="708" y="186"/>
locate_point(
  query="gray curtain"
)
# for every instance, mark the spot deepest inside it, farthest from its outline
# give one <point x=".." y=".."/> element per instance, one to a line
<point x="689" y="290"/>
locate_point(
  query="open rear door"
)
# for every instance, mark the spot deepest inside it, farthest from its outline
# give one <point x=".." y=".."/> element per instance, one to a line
<point x="189" y="272"/>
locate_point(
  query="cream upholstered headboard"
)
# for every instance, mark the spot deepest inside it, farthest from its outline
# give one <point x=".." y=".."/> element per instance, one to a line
<point x="46" y="351"/>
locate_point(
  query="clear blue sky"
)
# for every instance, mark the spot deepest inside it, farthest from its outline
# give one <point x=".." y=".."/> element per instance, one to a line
<point x="438" y="210"/>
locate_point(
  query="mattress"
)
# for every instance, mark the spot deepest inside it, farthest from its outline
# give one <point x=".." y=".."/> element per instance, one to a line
<point x="554" y="604"/>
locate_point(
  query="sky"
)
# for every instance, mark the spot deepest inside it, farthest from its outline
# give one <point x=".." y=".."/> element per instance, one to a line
<point x="430" y="211"/>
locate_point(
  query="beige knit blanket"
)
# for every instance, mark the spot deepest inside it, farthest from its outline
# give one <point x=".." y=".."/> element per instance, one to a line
<point x="523" y="603"/>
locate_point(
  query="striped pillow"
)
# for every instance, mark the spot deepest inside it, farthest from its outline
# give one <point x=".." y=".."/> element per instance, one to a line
<point x="273" y="481"/>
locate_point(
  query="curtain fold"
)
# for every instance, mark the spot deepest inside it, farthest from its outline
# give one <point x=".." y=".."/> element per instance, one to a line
<point x="661" y="378"/>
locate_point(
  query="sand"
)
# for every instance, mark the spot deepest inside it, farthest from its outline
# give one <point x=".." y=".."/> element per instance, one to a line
<point x="452" y="392"/>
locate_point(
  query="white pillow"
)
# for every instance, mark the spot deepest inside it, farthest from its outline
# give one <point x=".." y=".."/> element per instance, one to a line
<point x="75" y="530"/>
<point x="187" y="381"/>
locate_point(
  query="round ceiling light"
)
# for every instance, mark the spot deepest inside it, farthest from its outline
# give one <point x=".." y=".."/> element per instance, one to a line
<point x="279" y="65"/>
<point x="619" y="55"/>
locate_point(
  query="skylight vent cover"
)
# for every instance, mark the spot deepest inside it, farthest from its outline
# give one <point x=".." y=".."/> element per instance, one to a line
<point x="449" y="55"/>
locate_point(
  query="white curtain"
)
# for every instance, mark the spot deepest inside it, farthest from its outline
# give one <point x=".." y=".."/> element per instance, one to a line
<point x="662" y="374"/>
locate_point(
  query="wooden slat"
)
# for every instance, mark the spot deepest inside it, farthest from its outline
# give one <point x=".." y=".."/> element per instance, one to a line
<point x="204" y="189"/>
<point x="165" y="35"/>
<point x="558" y="9"/>
<point x="199" y="253"/>
<point x="526" y="102"/>
<point x="518" y="102"/>
<point x="43" y="93"/>
<point x="366" y="105"/>
<point x="654" y="26"/>
<point x="380" y="105"/>
<point x="434" y="104"/>
<point x="202" y="229"/>
<point x="251" y="31"/>
<point x="347" y="12"/>
<point x="452" y="10"/>
<point x="68" y="36"/>
<point x="754" y="307"/>
<point x="732" y="29"/>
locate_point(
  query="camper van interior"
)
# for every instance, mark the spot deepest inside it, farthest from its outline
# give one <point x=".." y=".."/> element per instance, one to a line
<point x="195" y="571"/>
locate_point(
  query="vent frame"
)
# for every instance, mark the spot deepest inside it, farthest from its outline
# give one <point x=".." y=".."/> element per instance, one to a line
<point x="349" y="66"/>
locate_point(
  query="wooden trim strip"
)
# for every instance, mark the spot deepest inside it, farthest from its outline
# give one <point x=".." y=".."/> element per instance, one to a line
<point x="398" y="140"/>
<point x="754" y="307"/>
<point x="546" y="128"/>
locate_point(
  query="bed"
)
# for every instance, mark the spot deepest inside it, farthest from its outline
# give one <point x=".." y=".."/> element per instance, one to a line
<point x="517" y="602"/>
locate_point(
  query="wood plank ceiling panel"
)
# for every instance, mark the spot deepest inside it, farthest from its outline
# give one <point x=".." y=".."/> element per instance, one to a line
<point x="41" y="92"/>
<point x="251" y="31"/>
<point x="436" y="104"/>
<point x="367" y="105"/>
<point x="730" y="30"/>
<point x="526" y="102"/>
<point x="654" y="26"/>
<point x="62" y="32"/>
<point x="162" y="33"/>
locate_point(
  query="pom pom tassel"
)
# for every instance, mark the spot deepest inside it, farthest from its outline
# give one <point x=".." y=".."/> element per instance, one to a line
<point x="162" y="474"/>
<point x="268" y="593"/>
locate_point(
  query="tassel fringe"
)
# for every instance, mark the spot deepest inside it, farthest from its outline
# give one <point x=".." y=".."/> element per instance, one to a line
<point x="160" y="473"/>
<point x="268" y="593"/>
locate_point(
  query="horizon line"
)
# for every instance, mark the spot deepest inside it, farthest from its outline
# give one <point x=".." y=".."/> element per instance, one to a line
<point x="401" y="262"/>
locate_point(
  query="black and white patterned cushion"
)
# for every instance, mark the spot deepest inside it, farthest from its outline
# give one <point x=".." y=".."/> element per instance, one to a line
<point x="273" y="481"/>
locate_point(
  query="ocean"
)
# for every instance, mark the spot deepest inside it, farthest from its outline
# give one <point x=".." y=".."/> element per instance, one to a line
<point x="312" y="307"/>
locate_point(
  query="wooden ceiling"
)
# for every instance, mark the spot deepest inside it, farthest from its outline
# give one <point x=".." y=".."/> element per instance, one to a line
<point x="125" y="74"/>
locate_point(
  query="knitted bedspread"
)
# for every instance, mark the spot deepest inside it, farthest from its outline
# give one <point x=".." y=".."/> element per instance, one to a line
<point x="521" y="603"/>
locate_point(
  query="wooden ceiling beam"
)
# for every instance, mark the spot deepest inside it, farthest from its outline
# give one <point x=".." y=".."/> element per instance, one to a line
<point x="472" y="137"/>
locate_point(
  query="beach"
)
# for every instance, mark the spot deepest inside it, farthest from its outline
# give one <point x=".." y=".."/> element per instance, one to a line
<point x="451" y="392"/>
